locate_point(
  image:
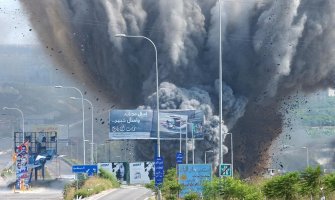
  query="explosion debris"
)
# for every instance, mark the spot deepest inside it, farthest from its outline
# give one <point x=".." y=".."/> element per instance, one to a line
<point x="271" y="49"/>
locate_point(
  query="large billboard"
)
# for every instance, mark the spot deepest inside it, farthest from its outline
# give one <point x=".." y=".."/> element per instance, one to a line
<point x="142" y="124"/>
<point x="192" y="177"/>
<point x="141" y="172"/>
<point x="119" y="169"/>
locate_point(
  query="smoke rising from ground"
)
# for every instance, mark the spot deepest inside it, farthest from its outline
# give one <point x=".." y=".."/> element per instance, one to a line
<point x="270" y="49"/>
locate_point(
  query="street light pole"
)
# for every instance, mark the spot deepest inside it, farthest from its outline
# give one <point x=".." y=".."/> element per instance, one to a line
<point x="92" y="132"/>
<point x="209" y="151"/>
<point x="6" y="108"/>
<point x="192" y="143"/>
<point x="82" y="105"/>
<point x="186" y="149"/>
<point x="231" y="153"/>
<point x="220" y="88"/>
<point x="157" y="96"/>
<point x="307" y="155"/>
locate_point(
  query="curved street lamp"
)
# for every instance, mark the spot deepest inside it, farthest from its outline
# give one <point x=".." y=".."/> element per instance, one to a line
<point x="92" y="133"/>
<point x="157" y="97"/>
<point x="7" y="108"/>
<point x="82" y="105"/>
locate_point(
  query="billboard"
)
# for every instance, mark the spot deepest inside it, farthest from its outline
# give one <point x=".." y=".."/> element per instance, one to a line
<point x="22" y="161"/>
<point x="191" y="177"/>
<point x="142" y="124"/>
<point x="119" y="169"/>
<point x="62" y="130"/>
<point x="126" y="124"/>
<point x="141" y="172"/>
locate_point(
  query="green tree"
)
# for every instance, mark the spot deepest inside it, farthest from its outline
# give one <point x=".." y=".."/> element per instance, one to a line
<point x="282" y="187"/>
<point x="311" y="182"/>
<point x="171" y="187"/>
<point x="329" y="183"/>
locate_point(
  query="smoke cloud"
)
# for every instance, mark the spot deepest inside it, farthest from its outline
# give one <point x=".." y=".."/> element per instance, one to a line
<point x="270" y="50"/>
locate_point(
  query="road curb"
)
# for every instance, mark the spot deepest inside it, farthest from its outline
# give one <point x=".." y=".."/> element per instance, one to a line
<point x="101" y="194"/>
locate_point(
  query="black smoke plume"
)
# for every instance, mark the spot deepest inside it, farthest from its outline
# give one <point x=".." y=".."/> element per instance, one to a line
<point x="271" y="49"/>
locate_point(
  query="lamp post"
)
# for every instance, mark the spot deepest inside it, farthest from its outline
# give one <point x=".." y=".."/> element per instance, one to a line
<point x="307" y="155"/>
<point x="192" y="144"/>
<point x="209" y="151"/>
<point x="82" y="105"/>
<point x="231" y="153"/>
<point x="97" y="150"/>
<point x="220" y="88"/>
<point x="186" y="149"/>
<point x="157" y="97"/>
<point x="92" y="132"/>
<point x="7" y="108"/>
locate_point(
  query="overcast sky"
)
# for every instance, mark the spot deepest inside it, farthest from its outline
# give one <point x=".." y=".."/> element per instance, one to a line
<point x="15" y="26"/>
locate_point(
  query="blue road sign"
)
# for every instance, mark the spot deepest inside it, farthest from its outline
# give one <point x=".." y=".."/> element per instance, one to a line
<point x="159" y="170"/>
<point x="179" y="158"/>
<point x="89" y="169"/>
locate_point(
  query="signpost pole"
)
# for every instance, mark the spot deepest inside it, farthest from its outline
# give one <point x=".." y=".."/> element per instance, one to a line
<point x="180" y="136"/>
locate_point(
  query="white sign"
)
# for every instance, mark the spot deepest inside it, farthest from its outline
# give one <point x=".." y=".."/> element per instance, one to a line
<point x="116" y="168"/>
<point x="141" y="172"/>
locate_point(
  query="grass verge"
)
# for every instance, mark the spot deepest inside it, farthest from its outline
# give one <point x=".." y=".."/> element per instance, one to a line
<point x="90" y="186"/>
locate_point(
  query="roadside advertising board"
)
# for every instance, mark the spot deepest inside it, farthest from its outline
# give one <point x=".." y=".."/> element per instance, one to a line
<point x="142" y="124"/>
<point x="119" y="169"/>
<point x="141" y="172"/>
<point x="191" y="177"/>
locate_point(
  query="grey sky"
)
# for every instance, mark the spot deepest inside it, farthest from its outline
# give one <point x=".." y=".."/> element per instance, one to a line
<point x="15" y="26"/>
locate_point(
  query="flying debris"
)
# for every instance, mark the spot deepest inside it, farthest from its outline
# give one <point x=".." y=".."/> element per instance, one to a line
<point x="271" y="50"/>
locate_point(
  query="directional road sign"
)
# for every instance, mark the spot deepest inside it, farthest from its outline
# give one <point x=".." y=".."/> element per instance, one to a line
<point x="225" y="170"/>
<point x="179" y="158"/>
<point x="89" y="169"/>
<point x="159" y="170"/>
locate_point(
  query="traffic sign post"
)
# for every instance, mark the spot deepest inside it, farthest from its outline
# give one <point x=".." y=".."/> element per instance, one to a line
<point x="179" y="158"/>
<point x="225" y="170"/>
<point x="90" y="170"/>
<point x="159" y="170"/>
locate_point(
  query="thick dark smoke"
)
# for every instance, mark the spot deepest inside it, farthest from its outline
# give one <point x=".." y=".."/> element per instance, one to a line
<point x="271" y="49"/>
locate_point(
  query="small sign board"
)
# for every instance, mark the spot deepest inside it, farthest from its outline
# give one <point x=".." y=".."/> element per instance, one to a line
<point x="225" y="170"/>
<point x="179" y="158"/>
<point x="159" y="170"/>
<point x="89" y="169"/>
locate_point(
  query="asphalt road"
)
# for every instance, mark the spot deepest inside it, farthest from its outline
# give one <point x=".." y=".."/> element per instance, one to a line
<point x="127" y="193"/>
<point x="45" y="195"/>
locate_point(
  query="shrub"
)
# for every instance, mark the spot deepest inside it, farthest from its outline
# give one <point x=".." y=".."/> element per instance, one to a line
<point x="231" y="188"/>
<point x="285" y="187"/>
<point x="109" y="176"/>
<point x="171" y="187"/>
<point x="82" y="193"/>
<point x="329" y="182"/>
<point x="191" y="196"/>
<point x="311" y="182"/>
